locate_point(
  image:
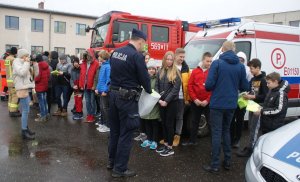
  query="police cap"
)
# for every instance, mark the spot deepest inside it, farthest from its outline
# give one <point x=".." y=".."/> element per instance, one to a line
<point x="138" y="33"/>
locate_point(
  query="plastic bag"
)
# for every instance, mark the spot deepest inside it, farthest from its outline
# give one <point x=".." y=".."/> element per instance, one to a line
<point x="147" y="102"/>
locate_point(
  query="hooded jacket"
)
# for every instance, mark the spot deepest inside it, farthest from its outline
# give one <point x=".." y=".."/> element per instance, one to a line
<point x="41" y="80"/>
<point x="258" y="85"/>
<point x="104" y="77"/>
<point x="87" y="74"/>
<point x="66" y="68"/>
<point x="185" y="76"/>
<point x="21" y="74"/>
<point x="275" y="107"/>
<point x="196" y="85"/>
<point x="226" y="77"/>
<point x="54" y="60"/>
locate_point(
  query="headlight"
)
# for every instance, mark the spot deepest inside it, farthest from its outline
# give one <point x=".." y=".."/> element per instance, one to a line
<point x="257" y="153"/>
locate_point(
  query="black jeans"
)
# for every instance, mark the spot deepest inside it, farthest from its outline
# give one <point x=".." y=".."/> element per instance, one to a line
<point x="237" y="124"/>
<point x="151" y="129"/>
<point x="168" y="117"/>
<point x="197" y="111"/>
<point x="104" y="106"/>
<point x="49" y="98"/>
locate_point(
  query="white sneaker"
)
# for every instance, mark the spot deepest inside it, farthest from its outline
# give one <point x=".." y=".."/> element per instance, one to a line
<point x="104" y="129"/>
<point x="100" y="126"/>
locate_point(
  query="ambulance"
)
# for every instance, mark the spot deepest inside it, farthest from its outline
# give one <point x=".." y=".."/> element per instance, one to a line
<point x="277" y="46"/>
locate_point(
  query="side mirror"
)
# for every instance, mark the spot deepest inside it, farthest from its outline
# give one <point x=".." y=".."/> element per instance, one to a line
<point x="115" y="37"/>
<point x="116" y="27"/>
<point x="87" y="29"/>
<point x="185" y="26"/>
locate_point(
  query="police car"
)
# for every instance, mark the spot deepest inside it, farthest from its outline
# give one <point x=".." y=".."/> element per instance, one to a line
<point x="276" y="156"/>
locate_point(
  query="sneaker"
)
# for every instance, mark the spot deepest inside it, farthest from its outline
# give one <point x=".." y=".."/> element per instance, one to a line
<point x="77" y="116"/>
<point x="103" y="129"/>
<point x="153" y="145"/>
<point x="89" y="119"/>
<point x="161" y="149"/>
<point x="98" y="115"/>
<point x="142" y="137"/>
<point x="40" y="119"/>
<point x="146" y="143"/>
<point x="167" y="152"/>
<point x="38" y="114"/>
<point x="99" y="126"/>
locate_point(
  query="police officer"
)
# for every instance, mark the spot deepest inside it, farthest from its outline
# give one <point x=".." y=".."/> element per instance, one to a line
<point x="128" y="73"/>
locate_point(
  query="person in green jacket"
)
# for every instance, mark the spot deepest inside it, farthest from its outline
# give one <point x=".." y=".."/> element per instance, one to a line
<point x="151" y="120"/>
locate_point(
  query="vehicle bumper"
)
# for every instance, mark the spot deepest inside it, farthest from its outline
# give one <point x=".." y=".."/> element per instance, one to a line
<point x="252" y="174"/>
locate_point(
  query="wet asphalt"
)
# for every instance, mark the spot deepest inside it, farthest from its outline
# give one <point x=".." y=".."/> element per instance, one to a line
<point x="67" y="150"/>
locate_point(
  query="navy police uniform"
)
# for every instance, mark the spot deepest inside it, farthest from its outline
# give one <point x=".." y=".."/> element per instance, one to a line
<point x="128" y="74"/>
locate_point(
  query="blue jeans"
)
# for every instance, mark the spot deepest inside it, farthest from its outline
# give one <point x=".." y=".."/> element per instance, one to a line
<point x="42" y="103"/>
<point x="90" y="101"/>
<point x="220" y="127"/>
<point x="24" y="103"/>
<point x="61" y="89"/>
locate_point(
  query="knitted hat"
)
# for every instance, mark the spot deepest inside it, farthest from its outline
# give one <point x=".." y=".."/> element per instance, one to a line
<point x="62" y="56"/>
<point x="138" y="33"/>
<point x="151" y="64"/>
<point x="39" y="58"/>
<point x="13" y="50"/>
<point x="22" y="52"/>
<point x="45" y="58"/>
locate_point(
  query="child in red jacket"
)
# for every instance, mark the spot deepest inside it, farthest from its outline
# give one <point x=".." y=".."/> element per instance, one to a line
<point x="199" y="96"/>
<point x="75" y="74"/>
<point x="88" y="70"/>
<point x="41" y="87"/>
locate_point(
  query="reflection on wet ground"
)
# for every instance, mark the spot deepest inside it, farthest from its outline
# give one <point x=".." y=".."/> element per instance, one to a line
<point x="67" y="150"/>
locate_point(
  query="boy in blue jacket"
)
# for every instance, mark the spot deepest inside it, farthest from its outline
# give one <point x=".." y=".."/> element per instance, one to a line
<point x="102" y="90"/>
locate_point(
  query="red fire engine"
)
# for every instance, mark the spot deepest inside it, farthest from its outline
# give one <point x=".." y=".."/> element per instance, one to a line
<point x="113" y="30"/>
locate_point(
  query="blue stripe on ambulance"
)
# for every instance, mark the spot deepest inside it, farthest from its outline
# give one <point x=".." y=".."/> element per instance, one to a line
<point x="290" y="152"/>
<point x="292" y="80"/>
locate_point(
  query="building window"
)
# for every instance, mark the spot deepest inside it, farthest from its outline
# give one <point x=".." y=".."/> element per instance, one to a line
<point x="9" y="46"/>
<point x="160" y="34"/>
<point x="12" y="22"/>
<point x="59" y="27"/>
<point x="80" y="29"/>
<point x="37" y="25"/>
<point x="79" y="51"/>
<point x="295" y="23"/>
<point x="36" y="50"/>
<point x="277" y="23"/>
<point x="60" y="49"/>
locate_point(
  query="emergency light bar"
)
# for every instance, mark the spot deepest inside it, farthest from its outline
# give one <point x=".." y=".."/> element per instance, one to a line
<point x="209" y="24"/>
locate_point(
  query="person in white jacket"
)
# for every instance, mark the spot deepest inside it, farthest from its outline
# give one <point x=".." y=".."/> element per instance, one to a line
<point x="23" y="80"/>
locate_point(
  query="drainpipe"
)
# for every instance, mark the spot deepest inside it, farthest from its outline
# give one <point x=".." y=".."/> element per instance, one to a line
<point x="50" y="17"/>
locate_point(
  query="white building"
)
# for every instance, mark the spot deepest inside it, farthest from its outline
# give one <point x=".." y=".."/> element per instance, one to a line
<point x="38" y="30"/>
<point x="291" y="18"/>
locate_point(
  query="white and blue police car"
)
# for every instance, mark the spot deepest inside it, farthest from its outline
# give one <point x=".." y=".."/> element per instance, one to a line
<point x="276" y="156"/>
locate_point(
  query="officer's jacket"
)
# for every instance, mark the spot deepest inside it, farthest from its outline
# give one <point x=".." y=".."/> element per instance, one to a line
<point x="128" y="69"/>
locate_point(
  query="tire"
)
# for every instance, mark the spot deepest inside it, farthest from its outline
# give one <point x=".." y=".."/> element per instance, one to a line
<point x="204" y="128"/>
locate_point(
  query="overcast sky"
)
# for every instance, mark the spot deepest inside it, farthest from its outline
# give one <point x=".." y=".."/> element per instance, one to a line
<point x="190" y="10"/>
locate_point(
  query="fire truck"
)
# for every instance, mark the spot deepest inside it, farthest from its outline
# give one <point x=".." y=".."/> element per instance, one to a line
<point x="277" y="46"/>
<point x="113" y="30"/>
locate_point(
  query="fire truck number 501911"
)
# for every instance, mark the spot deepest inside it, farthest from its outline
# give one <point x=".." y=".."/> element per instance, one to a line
<point x="158" y="46"/>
